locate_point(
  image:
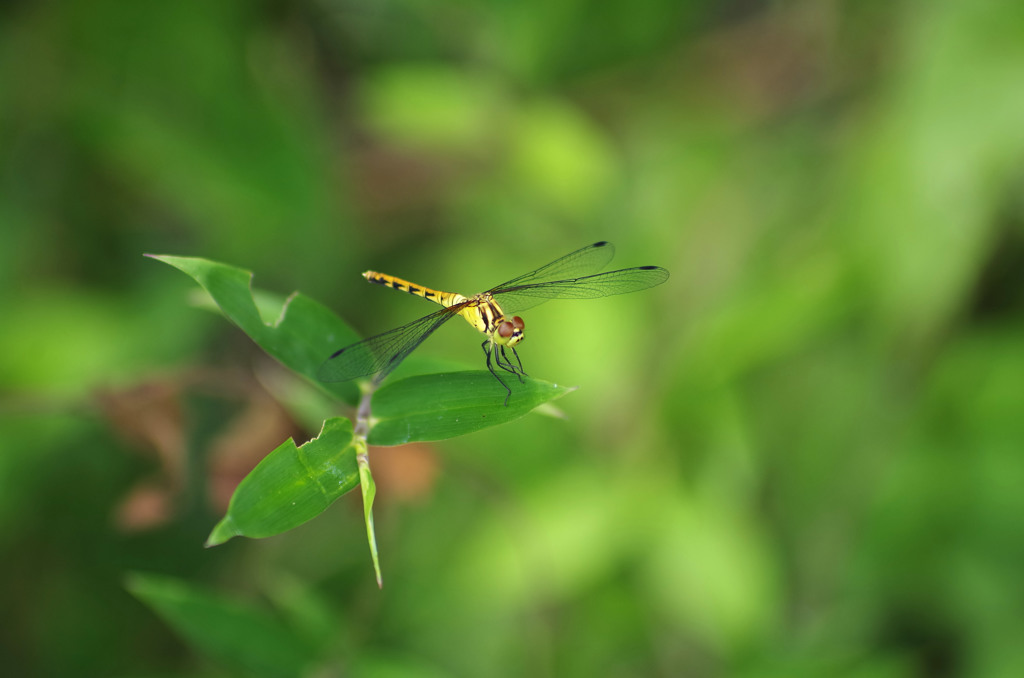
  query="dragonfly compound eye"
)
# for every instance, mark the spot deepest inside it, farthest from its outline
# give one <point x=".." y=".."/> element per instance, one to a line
<point x="518" y="323"/>
<point x="505" y="330"/>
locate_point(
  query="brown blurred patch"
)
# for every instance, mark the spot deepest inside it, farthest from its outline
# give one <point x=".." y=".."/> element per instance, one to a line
<point x="404" y="474"/>
<point x="261" y="427"/>
<point x="771" y="61"/>
<point x="150" y="418"/>
<point x="397" y="180"/>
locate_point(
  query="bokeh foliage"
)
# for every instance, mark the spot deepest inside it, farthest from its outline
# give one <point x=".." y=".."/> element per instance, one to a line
<point x="802" y="456"/>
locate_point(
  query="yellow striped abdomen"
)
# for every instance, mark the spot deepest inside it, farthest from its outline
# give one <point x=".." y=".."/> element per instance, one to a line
<point x="444" y="298"/>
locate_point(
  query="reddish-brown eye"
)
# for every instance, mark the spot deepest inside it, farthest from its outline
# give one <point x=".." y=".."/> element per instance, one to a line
<point x="505" y="330"/>
<point x="518" y="322"/>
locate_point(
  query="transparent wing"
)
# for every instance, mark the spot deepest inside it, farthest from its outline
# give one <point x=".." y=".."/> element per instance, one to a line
<point x="522" y="297"/>
<point x="589" y="259"/>
<point x="381" y="354"/>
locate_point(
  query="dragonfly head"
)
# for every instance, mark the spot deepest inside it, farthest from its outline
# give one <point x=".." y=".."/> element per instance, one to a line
<point x="509" y="332"/>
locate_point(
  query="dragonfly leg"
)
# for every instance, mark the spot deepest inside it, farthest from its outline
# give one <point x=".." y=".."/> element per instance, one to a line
<point x="504" y="363"/>
<point x="508" y="366"/>
<point x="520" y="362"/>
<point x="486" y="346"/>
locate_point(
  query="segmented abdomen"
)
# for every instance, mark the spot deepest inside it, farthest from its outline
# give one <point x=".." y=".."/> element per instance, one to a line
<point x="436" y="296"/>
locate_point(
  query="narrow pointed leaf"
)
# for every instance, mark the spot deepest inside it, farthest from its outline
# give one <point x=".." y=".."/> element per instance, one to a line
<point x="441" y="406"/>
<point x="369" y="492"/>
<point x="292" y="485"/>
<point x="301" y="337"/>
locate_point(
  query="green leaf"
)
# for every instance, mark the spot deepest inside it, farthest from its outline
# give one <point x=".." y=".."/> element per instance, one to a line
<point x="292" y="485"/>
<point x="440" y="406"/>
<point x="303" y="335"/>
<point x="242" y="638"/>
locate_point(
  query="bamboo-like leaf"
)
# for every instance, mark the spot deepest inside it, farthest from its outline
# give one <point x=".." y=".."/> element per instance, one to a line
<point x="301" y="337"/>
<point x="440" y="406"/>
<point x="369" y="488"/>
<point x="292" y="485"/>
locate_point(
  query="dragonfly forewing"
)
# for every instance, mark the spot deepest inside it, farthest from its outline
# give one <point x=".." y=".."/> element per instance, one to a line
<point x="624" y="281"/>
<point x="584" y="261"/>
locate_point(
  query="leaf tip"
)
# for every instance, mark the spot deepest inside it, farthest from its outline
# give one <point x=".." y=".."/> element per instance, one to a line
<point x="223" y="531"/>
<point x="166" y="258"/>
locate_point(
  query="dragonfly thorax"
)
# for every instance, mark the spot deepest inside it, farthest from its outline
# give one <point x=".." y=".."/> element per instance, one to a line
<point x="484" y="314"/>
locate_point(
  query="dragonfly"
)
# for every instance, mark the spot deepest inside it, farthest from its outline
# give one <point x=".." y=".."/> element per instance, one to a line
<point x="574" y="276"/>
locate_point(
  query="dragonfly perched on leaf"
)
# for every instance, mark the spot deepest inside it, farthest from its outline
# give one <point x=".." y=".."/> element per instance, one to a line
<point x="574" y="276"/>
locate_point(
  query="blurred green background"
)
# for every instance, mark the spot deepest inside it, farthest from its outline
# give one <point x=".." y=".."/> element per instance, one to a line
<point x="802" y="456"/>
